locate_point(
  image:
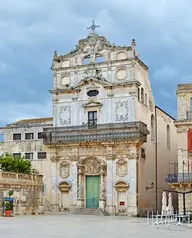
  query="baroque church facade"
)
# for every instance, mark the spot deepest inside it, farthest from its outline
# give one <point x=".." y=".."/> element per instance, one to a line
<point x="109" y="146"/>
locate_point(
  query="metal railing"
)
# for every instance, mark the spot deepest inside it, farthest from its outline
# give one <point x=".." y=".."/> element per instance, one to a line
<point x="179" y="178"/>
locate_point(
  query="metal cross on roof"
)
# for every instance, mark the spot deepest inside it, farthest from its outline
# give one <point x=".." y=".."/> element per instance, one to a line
<point x="92" y="27"/>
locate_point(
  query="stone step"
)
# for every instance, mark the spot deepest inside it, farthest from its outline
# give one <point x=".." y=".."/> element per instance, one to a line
<point x="87" y="211"/>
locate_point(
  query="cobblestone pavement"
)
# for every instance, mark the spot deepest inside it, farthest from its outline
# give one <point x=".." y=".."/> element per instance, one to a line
<point x="57" y="225"/>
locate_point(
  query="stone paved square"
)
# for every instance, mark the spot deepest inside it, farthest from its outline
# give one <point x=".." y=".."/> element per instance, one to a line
<point x="56" y="225"/>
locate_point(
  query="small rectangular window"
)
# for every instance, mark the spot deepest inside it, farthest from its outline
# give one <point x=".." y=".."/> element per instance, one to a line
<point x="40" y="135"/>
<point x="29" y="136"/>
<point x="17" y="136"/>
<point x="42" y="155"/>
<point x="17" y="155"/>
<point x="28" y="155"/>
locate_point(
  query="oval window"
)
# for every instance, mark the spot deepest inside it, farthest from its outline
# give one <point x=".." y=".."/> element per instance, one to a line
<point x="93" y="93"/>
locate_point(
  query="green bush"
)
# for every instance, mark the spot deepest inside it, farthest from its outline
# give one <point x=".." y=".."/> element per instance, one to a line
<point x="9" y="163"/>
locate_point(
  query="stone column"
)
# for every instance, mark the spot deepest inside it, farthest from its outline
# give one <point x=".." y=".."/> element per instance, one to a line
<point x="102" y="188"/>
<point x="80" y="197"/>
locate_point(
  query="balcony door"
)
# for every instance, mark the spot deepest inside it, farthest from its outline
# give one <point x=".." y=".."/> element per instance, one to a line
<point x="92" y="119"/>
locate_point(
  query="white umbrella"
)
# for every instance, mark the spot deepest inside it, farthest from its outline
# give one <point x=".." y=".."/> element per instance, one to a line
<point x="170" y="204"/>
<point x="164" y="203"/>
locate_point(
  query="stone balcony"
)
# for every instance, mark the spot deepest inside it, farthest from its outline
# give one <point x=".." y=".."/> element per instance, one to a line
<point x="179" y="179"/>
<point x="130" y="131"/>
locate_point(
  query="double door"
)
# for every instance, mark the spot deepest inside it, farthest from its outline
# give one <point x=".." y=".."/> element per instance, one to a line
<point x="92" y="191"/>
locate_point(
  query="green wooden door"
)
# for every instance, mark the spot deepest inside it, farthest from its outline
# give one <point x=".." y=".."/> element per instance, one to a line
<point x="92" y="191"/>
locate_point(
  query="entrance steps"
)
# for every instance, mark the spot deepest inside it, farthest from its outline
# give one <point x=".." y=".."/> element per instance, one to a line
<point x="86" y="211"/>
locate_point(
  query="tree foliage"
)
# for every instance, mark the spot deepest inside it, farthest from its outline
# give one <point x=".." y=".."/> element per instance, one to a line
<point x="9" y="163"/>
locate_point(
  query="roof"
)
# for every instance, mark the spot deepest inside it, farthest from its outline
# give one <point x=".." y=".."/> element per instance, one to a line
<point x="165" y="112"/>
<point x="33" y="121"/>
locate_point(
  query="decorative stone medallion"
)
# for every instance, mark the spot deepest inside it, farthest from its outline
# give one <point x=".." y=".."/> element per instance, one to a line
<point x="121" y="74"/>
<point x="121" y="168"/>
<point x="64" y="169"/>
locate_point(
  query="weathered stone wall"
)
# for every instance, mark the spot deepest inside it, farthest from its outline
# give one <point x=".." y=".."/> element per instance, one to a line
<point x="28" y="192"/>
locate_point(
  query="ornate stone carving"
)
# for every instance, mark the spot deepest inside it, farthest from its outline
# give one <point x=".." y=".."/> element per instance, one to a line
<point x="64" y="169"/>
<point x="64" y="186"/>
<point x="121" y="111"/>
<point x="121" y="186"/>
<point x="121" y="168"/>
<point x="93" y="72"/>
<point x="65" y="115"/>
<point x="91" y="166"/>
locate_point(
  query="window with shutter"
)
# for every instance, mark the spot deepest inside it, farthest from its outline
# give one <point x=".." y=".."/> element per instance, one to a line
<point x="190" y="140"/>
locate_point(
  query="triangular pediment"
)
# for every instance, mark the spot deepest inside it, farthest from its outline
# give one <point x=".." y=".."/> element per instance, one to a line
<point x="92" y="103"/>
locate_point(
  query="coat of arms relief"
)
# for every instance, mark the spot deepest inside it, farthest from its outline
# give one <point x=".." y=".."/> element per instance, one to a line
<point x="64" y="169"/>
<point x="121" y="168"/>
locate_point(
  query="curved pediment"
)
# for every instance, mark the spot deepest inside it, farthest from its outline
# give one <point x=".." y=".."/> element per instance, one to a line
<point x="64" y="186"/>
<point x="121" y="186"/>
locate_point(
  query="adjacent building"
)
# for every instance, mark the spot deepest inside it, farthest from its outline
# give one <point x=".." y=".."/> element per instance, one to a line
<point x="181" y="180"/>
<point x="109" y="146"/>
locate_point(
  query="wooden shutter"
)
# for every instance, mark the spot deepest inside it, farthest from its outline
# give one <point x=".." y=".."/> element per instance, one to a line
<point x="190" y="140"/>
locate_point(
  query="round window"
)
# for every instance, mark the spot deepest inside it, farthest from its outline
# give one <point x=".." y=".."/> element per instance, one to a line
<point x="92" y="93"/>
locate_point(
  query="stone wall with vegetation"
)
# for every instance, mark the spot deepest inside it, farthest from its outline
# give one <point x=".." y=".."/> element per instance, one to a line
<point x="27" y="192"/>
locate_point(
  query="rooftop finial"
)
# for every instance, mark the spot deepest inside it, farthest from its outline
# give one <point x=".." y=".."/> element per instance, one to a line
<point x="92" y="27"/>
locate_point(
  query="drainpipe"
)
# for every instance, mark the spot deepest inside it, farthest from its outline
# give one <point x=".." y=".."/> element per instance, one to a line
<point x="156" y="169"/>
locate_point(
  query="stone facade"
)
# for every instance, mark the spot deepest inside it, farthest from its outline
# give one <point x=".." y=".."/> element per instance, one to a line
<point x="32" y="147"/>
<point x="27" y="192"/>
<point x="105" y="125"/>
<point x="181" y="180"/>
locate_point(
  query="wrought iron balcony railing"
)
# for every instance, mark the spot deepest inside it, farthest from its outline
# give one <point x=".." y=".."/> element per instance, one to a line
<point x="179" y="178"/>
<point x="102" y="132"/>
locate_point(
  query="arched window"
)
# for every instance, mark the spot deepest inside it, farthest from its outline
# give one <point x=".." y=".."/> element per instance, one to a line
<point x="152" y="127"/>
<point x="145" y="99"/>
<point x="138" y="94"/>
<point x="191" y="104"/>
<point x="168" y="137"/>
<point x="142" y="95"/>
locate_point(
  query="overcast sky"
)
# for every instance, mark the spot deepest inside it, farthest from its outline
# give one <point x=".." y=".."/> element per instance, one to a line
<point x="30" y="30"/>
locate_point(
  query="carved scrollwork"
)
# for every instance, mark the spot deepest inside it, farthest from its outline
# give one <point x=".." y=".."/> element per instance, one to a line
<point x="91" y="166"/>
<point x="64" y="169"/>
<point x="121" y="111"/>
<point x="65" y="115"/>
<point x="121" y="168"/>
